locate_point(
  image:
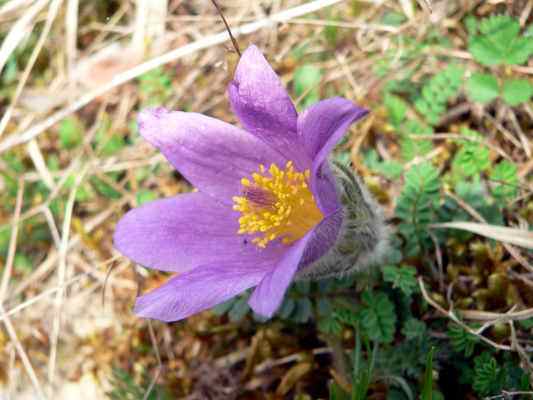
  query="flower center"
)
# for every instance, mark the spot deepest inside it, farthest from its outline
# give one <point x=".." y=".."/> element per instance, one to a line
<point x="276" y="203"/>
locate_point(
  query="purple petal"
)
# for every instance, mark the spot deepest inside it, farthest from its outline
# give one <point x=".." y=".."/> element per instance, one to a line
<point x="321" y="126"/>
<point x="211" y="154"/>
<point x="182" y="232"/>
<point x="322" y="238"/>
<point x="197" y="290"/>
<point x="268" y="295"/>
<point x="324" y="189"/>
<point x="263" y="106"/>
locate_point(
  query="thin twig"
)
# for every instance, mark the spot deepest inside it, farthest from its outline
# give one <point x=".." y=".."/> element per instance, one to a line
<point x="22" y="354"/>
<point x="454" y="318"/>
<point x="233" y="40"/>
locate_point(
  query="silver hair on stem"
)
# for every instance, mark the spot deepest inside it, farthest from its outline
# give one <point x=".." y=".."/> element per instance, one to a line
<point x="362" y="240"/>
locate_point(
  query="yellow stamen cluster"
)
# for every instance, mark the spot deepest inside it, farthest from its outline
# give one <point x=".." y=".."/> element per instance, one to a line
<point x="277" y="203"/>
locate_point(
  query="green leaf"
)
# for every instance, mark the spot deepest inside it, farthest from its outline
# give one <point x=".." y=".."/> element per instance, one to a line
<point x="223" y="308"/>
<point x="427" y="389"/>
<point x="390" y="169"/>
<point x="499" y="42"/>
<point x="403" y="277"/>
<point x="482" y="88"/>
<point x="306" y="81"/>
<point x="104" y="188"/>
<point x="471" y="24"/>
<point x="330" y="325"/>
<point x="487" y="375"/>
<point x="526" y="323"/>
<point x="110" y="146"/>
<point x="396" y="108"/>
<point x="378" y="318"/>
<point x="462" y="341"/>
<point x="145" y="196"/>
<point x="412" y="147"/>
<point x="438" y="91"/>
<point x="472" y="157"/>
<point x="287" y="307"/>
<point x="303" y="311"/>
<point x="516" y="91"/>
<point x="414" y="329"/>
<point x="504" y="179"/>
<point x="336" y="392"/>
<point x="419" y="194"/>
<point x="239" y="309"/>
<point x="70" y="132"/>
<point x="22" y="263"/>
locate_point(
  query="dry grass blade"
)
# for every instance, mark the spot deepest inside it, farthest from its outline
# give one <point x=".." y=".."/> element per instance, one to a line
<point x="22" y="354"/>
<point x="18" y="31"/>
<point x="6" y="276"/>
<point x="517" y="237"/>
<point x="120" y="79"/>
<point x="61" y="272"/>
<point x="52" y="13"/>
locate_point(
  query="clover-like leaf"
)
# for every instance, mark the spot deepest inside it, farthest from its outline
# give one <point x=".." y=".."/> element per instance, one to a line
<point x="482" y="88"/>
<point x="516" y="91"/>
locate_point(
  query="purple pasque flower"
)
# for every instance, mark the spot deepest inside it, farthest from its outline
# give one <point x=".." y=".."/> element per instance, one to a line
<point x="268" y="207"/>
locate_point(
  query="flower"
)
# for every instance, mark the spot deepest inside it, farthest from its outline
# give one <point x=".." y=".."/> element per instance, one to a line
<point x="269" y="206"/>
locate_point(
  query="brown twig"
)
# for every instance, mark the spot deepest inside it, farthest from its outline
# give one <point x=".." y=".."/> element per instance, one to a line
<point x="233" y="40"/>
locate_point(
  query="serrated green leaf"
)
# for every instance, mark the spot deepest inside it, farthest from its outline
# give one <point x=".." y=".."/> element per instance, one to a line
<point x="414" y="329"/>
<point x="437" y="92"/>
<point x="461" y="340"/>
<point x="403" y="278"/>
<point x="330" y="325"/>
<point x="504" y="179"/>
<point x="472" y="157"/>
<point x="396" y="108"/>
<point x="499" y="42"/>
<point x="482" y="88"/>
<point x="487" y="375"/>
<point x="516" y="91"/>
<point x="412" y="147"/>
<point x="378" y="318"/>
<point x="347" y="316"/>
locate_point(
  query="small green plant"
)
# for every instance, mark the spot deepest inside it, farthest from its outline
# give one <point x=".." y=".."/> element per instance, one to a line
<point x="461" y="340"/>
<point x="504" y="177"/>
<point x="403" y="277"/>
<point x="436" y="93"/>
<point x="416" y="205"/>
<point x="496" y="40"/>
<point x="472" y="158"/>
